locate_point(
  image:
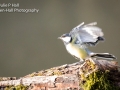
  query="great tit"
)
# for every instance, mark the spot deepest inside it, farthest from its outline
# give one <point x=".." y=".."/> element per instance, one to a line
<point x="80" y="37"/>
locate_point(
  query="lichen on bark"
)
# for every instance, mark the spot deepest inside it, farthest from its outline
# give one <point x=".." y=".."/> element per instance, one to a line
<point x="98" y="81"/>
<point x="18" y="87"/>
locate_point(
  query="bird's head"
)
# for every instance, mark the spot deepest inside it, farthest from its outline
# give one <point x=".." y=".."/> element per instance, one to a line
<point x="66" y="38"/>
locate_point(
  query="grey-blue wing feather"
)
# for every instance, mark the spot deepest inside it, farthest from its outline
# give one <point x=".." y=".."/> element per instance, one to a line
<point x="87" y="34"/>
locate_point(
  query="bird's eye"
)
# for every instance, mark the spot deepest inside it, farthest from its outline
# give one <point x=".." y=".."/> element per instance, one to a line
<point x="63" y="35"/>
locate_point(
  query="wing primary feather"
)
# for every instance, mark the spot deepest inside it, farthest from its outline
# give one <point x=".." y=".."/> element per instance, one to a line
<point x="91" y="24"/>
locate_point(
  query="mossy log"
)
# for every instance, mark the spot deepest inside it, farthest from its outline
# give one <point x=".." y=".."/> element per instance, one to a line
<point x="89" y="75"/>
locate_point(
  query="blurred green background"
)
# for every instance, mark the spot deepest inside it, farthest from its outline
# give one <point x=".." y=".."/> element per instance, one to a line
<point x="28" y="42"/>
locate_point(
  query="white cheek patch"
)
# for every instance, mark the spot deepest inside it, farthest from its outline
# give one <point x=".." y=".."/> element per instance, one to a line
<point x="67" y="39"/>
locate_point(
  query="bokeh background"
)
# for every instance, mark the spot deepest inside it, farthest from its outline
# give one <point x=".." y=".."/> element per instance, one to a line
<point x="28" y="42"/>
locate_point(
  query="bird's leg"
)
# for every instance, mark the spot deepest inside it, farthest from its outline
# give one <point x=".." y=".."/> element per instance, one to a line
<point x="81" y="61"/>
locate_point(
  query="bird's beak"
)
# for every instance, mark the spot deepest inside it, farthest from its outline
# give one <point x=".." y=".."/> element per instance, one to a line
<point x="59" y="38"/>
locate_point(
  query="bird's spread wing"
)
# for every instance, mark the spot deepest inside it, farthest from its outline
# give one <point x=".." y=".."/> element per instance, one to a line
<point x="87" y="34"/>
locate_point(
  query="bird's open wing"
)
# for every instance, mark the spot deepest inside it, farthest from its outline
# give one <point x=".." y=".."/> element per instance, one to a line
<point x="87" y="34"/>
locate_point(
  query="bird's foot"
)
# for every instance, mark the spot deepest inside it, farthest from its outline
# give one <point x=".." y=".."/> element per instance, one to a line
<point x="81" y="61"/>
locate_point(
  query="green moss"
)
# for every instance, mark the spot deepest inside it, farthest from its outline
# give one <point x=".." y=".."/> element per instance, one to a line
<point x="18" y="87"/>
<point x="98" y="81"/>
<point x="89" y="66"/>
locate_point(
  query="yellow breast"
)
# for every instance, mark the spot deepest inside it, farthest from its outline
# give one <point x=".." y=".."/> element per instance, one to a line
<point x="76" y="51"/>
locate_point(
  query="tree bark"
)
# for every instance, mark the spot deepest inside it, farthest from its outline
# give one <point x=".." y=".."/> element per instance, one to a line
<point x="89" y="75"/>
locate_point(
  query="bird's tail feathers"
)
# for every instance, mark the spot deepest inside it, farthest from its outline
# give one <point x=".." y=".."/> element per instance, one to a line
<point x="103" y="55"/>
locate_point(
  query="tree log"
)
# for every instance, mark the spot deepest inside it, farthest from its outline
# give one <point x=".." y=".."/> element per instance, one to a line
<point x="89" y="75"/>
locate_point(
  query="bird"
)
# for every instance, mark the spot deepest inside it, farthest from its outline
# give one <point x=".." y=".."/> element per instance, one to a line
<point x="82" y="36"/>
